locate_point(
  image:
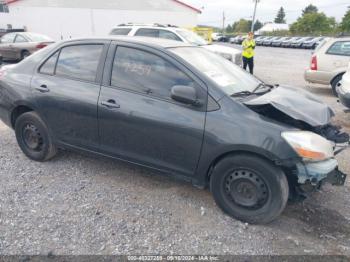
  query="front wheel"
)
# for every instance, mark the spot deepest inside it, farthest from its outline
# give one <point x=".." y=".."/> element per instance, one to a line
<point x="249" y="188"/>
<point x="33" y="137"/>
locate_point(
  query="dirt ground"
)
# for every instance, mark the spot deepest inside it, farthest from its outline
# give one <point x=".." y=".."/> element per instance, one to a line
<point x="78" y="204"/>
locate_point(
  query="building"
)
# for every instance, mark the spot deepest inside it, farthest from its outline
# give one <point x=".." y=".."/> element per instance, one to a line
<point x="63" y="19"/>
<point x="271" y="27"/>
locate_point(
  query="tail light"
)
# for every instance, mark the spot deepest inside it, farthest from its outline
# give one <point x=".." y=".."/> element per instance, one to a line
<point x="313" y="63"/>
<point x="41" y="45"/>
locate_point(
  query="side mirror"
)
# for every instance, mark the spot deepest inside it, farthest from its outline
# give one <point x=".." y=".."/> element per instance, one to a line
<point x="185" y="94"/>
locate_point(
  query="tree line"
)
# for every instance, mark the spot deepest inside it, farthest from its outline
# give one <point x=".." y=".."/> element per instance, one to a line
<point x="311" y="22"/>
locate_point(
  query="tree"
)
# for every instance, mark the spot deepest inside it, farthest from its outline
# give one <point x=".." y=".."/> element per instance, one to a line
<point x="345" y="24"/>
<point x="242" y="26"/>
<point x="313" y="24"/>
<point x="257" y="25"/>
<point x="229" y="29"/>
<point x="310" y="9"/>
<point x="281" y="16"/>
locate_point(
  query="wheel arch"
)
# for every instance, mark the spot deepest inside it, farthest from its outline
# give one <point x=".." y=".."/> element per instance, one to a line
<point x="18" y="111"/>
<point x="339" y="74"/>
<point x="258" y="152"/>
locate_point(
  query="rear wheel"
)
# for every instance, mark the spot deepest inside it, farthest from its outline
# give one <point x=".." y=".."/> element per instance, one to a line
<point x="249" y="188"/>
<point x="24" y="54"/>
<point x="33" y="137"/>
<point x="336" y="83"/>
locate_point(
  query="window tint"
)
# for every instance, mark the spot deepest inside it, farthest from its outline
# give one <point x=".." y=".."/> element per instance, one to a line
<point x="147" y="32"/>
<point x="49" y="66"/>
<point x="79" y="61"/>
<point x="340" y="48"/>
<point x="121" y="31"/>
<point x="8" y="38"/>
<point x="168" y="35"/>
<point x="144" y="72"/>
<point x="20" y="39"/>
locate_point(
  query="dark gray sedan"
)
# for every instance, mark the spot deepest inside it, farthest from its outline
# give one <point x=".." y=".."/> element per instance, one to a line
<point x="179" y="109"/>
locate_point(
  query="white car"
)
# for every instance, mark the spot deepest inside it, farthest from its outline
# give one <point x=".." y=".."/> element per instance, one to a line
<point x="216" y="36"/>
<point x="177" y="34"/>
<point x="344" y="89"/>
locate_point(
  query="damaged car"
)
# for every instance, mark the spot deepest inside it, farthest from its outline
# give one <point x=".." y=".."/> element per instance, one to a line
<point x="179" y="109"/>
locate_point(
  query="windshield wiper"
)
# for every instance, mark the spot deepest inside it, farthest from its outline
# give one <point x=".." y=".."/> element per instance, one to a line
<point x="264" y="85"/>
<point x="242" y="93"/>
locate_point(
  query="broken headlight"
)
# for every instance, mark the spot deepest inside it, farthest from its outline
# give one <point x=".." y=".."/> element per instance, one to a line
<point x="309" y="146"/>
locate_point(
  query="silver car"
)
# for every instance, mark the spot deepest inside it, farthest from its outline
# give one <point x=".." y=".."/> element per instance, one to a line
<point x="17" y="46"/>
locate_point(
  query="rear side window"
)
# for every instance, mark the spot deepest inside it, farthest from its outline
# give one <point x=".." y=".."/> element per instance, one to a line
<point x="8" y="38"/>
<point x="340" y="48"/>
<point x="121" y="31"/>
<point x="49" y="66"/>
<point x="20" y="39"/>
<point x="79" y="61"/>
<point x="147" y="32"/>
<point x="147" y="73"/>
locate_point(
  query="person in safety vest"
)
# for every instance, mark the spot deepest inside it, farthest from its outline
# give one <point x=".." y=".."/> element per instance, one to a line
<point x="248" y="46"/>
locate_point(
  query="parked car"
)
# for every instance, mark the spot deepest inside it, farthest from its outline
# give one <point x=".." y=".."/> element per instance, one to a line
<point x="329" y="62"/>
<point x="238" y="39"/>
<point x="19" y="45"/>
<point x="268" y="41"/>
<point x="224" y="39"/>
<point x="278" y="42"/>
<point x="260" y="39"/>
<point x="288" y="43"/>
<point x="343" y="89"/>
<point x="177" y="34"/>
<point x="216" y="36"/>
<point x="312" y="43"/>
<point x="179" y="109"/>
<point x="298" y="43"/>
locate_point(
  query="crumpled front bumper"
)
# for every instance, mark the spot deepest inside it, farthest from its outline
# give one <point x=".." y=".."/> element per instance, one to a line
<point x="325" y="171"/>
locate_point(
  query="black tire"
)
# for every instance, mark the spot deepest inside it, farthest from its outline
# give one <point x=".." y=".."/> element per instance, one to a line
<point x="24" y="54"/>
<point x="33" y="137"/>
<point x="261" y="188"/>
<point x="335" y="83"/>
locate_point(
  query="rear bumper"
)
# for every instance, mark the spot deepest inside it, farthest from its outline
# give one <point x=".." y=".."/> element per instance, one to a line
<point x="318" y="77"/>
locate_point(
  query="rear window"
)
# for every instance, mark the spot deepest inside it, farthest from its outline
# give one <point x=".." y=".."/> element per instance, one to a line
<point x="340" y="48"/>
<point x="121" y="31"/>
<point x="79" y="61"/>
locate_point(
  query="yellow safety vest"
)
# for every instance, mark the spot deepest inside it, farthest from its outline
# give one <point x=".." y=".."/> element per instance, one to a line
<point x="248" y="48"/>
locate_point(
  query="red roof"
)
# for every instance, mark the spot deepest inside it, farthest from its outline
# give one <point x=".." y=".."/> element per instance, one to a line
<point x="176" y="1"/>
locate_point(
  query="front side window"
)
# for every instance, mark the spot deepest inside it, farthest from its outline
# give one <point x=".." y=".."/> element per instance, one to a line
<point x="340" y="48"/>
<point x="8" y="38"/>
<point x="191" y="37"/>
<point x="147" y="73"/>
<point x="79" y="61"/>
<point x="147" y="32"/>
<point x="49" y="66"/>
<point x="20" y="39"/>
<point x="121" y="31"/>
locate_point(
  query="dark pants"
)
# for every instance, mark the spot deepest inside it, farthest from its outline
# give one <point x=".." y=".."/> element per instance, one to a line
<point x="250" y="63"/>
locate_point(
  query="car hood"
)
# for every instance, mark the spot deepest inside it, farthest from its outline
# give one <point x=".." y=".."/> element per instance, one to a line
<point x="296" y="103"/>
<point x="222" y="49"/>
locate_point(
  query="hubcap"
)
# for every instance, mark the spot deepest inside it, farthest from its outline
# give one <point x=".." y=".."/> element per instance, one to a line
<point x="32" y="137"/>
<point x="245" y="188"/>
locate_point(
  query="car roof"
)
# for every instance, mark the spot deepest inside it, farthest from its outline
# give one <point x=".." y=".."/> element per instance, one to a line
<point x="147" y="41"/>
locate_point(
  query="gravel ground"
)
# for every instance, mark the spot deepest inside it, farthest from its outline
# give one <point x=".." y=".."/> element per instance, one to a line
<point x="80" y="204"/>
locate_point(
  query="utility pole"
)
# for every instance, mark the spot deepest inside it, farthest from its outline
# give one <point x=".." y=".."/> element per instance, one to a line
<point x="223" y="22"/>
<point x="253" y="21"/>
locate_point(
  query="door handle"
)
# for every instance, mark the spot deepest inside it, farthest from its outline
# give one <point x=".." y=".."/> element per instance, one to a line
<point x="42" y="88"/>
<point x="110" y="104"/>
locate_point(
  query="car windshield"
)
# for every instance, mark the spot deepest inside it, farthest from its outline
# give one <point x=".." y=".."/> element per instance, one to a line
<point x="37" y="37"/>
<point x="191" y="37"/>
<point x="230" y="78"/>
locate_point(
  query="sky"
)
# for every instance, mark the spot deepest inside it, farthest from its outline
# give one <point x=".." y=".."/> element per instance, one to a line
<point x="266" y="11"/>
